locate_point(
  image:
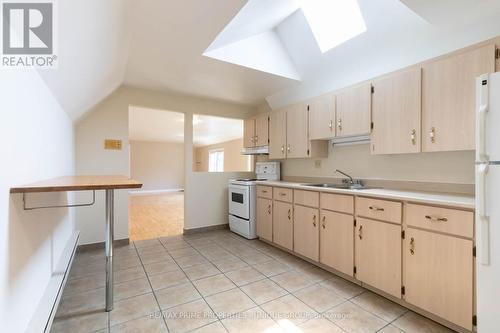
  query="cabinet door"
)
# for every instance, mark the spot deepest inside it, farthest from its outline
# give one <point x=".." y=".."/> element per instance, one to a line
<point x="265" y="219"/>
<point x="438" y="275"/>
<point x="297" y="131"/>
<point x="322" y="117"/>
<point x="283" y="224"/>
<point x="249" y="133"/>
<point x="306" y="232"/>
<point x="262" y="130"/>
<point x="448" y="99"/>
<point x="353" y="111"/>
<point x="378" y="255"/>
<point x="396" y="114"/>
<point x="277" y="134"/>
<point x="337" y="241"/>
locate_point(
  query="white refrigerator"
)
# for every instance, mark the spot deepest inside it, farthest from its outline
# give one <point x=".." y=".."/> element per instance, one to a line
<point x="488" y="202"/>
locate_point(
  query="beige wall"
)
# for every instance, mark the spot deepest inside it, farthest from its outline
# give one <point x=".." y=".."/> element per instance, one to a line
<point x="443" y="167"/>
<point x="158" y="165"/>
<point x="233" y="159"/>
<point x="206" y="193"/>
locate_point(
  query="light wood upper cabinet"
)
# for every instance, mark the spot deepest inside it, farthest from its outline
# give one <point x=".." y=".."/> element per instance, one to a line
<point x="297" y="138"/>
<point x="353" y="111"/>
<point x="448" y="99"/>
<point x="439" y="275"/>
<point x="283" y="224"/>
<point x="322" y="117"/>
<point x="265" y="219"/>
<point x="378" y="255"/>
<point x="249" y="133"/>
<point x="262" y="130"/>
<point x="306" y="232"/>
<point x="277" y="134"/>
<point x="396" y="108"/>
<point x="337" y="241"/>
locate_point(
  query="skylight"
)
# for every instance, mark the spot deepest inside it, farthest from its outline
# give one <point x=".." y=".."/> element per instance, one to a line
<point x="333" y="21"/>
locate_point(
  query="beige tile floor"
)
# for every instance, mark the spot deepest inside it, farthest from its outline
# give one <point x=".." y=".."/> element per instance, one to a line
<point x="220" y="282"/>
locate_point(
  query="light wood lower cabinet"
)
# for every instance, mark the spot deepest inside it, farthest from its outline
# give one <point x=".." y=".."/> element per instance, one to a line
<point x="337" y="241"/>
<point x="306" y="232"/>
<point x="283" y="224"/>
<point x="265" y="219"/>
<point x="378" y="255"/>
<point x="438" y="275"/>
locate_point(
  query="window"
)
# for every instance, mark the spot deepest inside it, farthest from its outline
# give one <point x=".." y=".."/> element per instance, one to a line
<point x="216" y="160"/>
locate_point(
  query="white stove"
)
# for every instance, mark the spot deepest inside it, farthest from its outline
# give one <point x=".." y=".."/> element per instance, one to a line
<point x="243" y="199"/>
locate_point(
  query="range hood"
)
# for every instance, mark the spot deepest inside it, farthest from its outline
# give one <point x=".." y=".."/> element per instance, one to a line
<point x="263" y="150"/>
<point x="351" y="140"/>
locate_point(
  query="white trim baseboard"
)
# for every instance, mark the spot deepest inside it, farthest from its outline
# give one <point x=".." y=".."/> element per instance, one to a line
<point x="47" y="308"/>
<point x="148" y="192"/>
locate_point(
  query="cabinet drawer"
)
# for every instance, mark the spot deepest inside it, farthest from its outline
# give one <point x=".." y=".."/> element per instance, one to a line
<point x="384" y="210"/>
<point x="283" y="194"/>
<point x="338" y="202"/>
<point x="265" y="192"/>
<point x="451" y="221"/>
<point x="306" y="198"/>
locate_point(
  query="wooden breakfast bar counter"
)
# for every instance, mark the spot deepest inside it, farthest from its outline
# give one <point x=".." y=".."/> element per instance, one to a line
<point x="87" y="183"/>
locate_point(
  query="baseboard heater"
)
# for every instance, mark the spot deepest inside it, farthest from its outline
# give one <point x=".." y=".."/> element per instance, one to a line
<point x="47" y="308"/>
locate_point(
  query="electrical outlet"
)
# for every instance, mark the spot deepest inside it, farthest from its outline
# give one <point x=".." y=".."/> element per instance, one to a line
<point x="317" y="164"/>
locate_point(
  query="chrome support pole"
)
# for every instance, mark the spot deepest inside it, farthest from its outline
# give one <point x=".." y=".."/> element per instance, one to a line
<point x="109" y="248"/>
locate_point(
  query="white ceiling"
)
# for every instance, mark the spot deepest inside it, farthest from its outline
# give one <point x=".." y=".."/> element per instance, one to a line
<point x="159" y="44"/>
<point x="168" y="126"/>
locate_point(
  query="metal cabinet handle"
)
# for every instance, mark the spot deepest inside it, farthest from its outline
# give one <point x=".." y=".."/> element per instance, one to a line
<point x="251" y="139"/>
<point x="314" y="220"/>
<point x="288" y="148"/>
<point x="269" y="209"/>
<point x="289" y="214"/>
<point x="339" y="124"/>
<point x="323" y="224"/>
<point x="436" y="219"/>
<point x="360" y="232"/>
<point x="412" y="246"/>
<point x="282" y="194"/>
<point x="282" y="149"/>
<point x="331" y="125"/>
<point x="413" y="137"/>
<point x="432" y="134"/>
<point x="264" y="191"/>
<point x="377" y="209"/>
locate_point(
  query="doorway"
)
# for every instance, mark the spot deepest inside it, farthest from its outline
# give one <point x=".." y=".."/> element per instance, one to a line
<point x="156" y="140"/>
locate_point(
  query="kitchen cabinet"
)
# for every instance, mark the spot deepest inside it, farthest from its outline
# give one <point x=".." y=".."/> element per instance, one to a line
<point x="283" y="224"/>
<point x="337" y="241"/>
<point x="262" y="130"/>
<point x="277" y="134"/>
<point x="353" y="111"/>
<point x="396" y="109"/>
<point x="438" y="275"/>
<point x="306" y="232"/>
<point x="378" y="255"/>
<point x="256" y="131"/>
<point x="265" y="219"/>
<point x="448" y="99"/>
<point x="249" y="133"/>
<point x="322" y="117"/>
<point x="289" y="134"/>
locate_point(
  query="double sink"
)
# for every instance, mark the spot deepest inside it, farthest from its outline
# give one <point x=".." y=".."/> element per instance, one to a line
<point x="343" y="186"/>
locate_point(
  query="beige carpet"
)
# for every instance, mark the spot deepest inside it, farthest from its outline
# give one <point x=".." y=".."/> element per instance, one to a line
<point x="153" y="216"/>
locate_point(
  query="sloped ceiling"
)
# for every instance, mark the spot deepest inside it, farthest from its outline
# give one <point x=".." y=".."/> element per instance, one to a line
<point x="93" y="40"/>
<point x="159" y="44"/>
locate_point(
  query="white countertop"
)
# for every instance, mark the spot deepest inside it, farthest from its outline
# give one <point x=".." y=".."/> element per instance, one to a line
<point x="445" y="199"/>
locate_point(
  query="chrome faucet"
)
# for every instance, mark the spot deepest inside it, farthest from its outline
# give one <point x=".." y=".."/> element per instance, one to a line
<point x="351" y="181"/>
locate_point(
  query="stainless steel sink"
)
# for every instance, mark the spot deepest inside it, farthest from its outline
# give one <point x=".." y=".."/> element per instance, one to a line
<point x="342" y="186"/>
